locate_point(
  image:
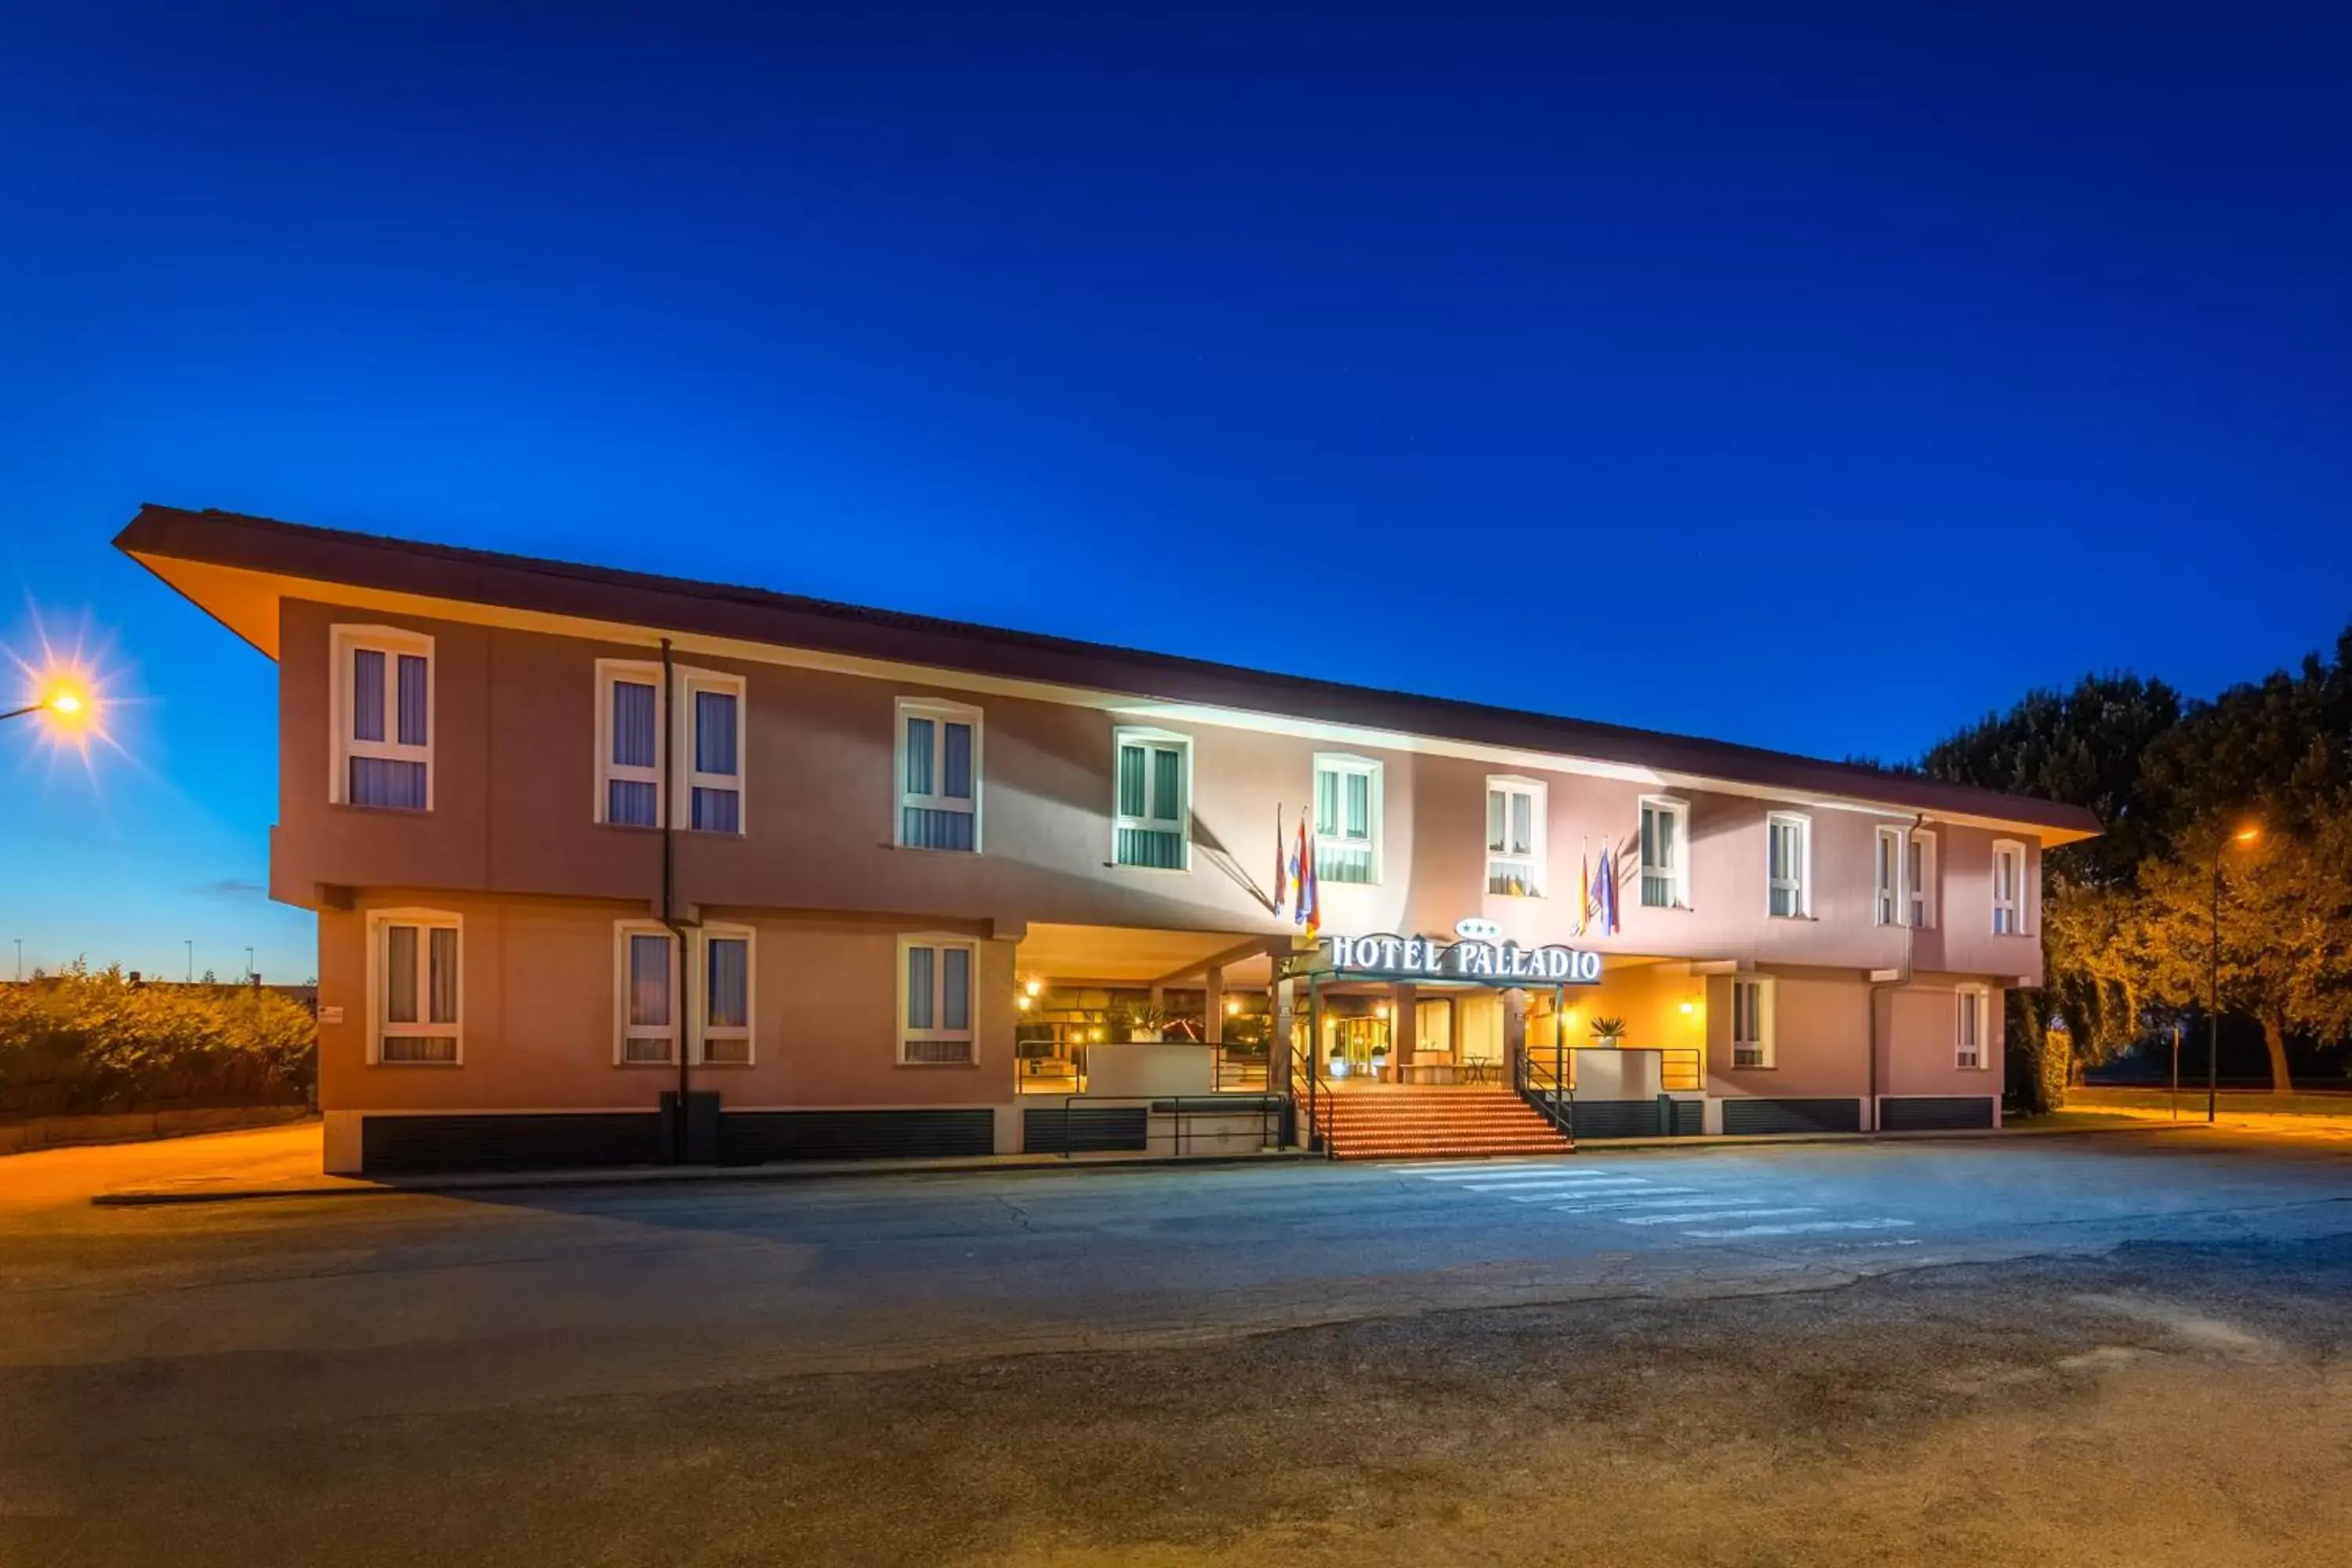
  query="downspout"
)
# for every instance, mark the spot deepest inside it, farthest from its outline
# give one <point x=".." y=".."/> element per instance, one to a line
<point x="669" y="888"/>
<point x="1902" y="975"/>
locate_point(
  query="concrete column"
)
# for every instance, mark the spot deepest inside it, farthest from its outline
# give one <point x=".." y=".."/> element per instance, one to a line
<point x="1515" y="1033"/>
<point x="1212" y="1007"/>
<point x="1277" y="1057"/>
<point x="1404" y="1027"/>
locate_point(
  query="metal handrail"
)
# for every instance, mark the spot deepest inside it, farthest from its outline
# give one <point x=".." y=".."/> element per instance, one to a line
<point x="1547" y="1089"/>
<point x="1318" y="1118"/>
<point x="1180" y="1106"/>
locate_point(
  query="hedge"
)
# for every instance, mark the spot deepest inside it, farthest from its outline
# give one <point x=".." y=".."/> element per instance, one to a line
<point x="82" y="1042"/>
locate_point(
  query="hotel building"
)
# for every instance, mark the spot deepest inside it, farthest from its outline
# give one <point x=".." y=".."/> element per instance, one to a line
<point x="611" y="867"/>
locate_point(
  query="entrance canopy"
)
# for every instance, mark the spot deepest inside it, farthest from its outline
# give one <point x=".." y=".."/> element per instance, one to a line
<point x="1136" y="957"/>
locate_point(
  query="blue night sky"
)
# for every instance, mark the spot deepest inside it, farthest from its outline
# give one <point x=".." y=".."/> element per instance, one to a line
<point x="1820" y="383"/>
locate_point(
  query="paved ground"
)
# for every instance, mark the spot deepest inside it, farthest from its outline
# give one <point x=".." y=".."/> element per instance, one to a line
<point x="2118" y="1347"/>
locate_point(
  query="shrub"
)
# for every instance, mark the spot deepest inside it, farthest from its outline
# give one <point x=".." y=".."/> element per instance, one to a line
<point x="82" y="1042"/>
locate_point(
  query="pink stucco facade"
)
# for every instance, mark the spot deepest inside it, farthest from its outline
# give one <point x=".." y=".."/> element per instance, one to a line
<point x="511" y="855"/>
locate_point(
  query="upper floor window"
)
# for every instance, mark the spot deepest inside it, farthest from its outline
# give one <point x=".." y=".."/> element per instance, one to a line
<point x="935" y="1001"/>
<point x="1665" y="855"/>
<point x="628" y="743"/>
<point x="1789" y="864"/>
<point x="382" y="719"/>
<point x="2008" y="888"/>
<point x="413" y="1009"/>
<point x="645" y="993"/>
<point x="1515" y="836"/>
<point x="1751" y="1022"/>
<point x="1886" y="876"/>
<point x="1346" y="818"/>
<point x="1919" y="878"/>
<point x="714" y="750"/>
<point x="1153" y="792"/>
<point x="723" y="1024"/>
<point x="1968" y="1026"/>
<point x="938" y="776"/>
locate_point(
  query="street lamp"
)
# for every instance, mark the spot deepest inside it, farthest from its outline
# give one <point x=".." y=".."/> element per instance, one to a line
<point x="64" y="705"/>
<point x="2246" y="835"/>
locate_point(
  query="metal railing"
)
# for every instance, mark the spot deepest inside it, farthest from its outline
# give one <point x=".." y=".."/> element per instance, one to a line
<point x="1681" y="1069"/>
<point x="1317" y="1124"/>
<point x="1186" y="1109"/>
<point x="1545" y="1086"/>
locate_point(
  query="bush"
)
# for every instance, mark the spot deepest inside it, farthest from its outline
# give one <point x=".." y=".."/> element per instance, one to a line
<point x="81" y="1042"/>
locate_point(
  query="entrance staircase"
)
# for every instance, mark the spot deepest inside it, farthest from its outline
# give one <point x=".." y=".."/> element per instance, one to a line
<point x="1406" y="1121"/>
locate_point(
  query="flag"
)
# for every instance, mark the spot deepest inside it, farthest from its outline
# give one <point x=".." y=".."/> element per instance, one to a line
<point x="1281" y="869"/>
<point x="1300" y="868"/>
<point x="1601" y="893"/>
<point x="1311" y="897"/>
<point x="1583" y="885"/>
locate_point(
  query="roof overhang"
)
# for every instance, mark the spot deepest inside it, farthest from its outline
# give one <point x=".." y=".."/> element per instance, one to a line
<point x="240" y="569"/>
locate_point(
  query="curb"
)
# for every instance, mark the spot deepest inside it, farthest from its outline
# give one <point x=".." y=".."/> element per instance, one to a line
<point x="681" y="1176"/>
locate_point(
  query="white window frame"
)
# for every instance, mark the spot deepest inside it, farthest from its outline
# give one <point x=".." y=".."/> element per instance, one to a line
<point x="2015" y="910"/>
<point x="1919" y="885"/>
<point x="1890" y="861"/>
<point x="681" y="802"/>
<point x="1124" y="736"/>
<point x="425" y="920"/>
<point x="1537" y="859"/>
<point x="622" y="1030"/>
<point x="1804" y="886"/>
<point x="939" y="942"/>
<point x="1678" y="874"/>
<point x="342" y="641"/>
<point x="1347" y="764"/>
<point x="1761" y="1016"/>
<point x="1971" y="1004"/>
<point x="704" y="1031"/>
<point x="609" y="673"/>
<point x="941" y="714"/>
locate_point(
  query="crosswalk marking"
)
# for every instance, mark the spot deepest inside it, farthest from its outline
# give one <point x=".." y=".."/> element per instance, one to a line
<point x="1702" y="1215"/>
<point x="1571" y="1184"/>
<point x="1802" y="1228"/>
<point x="1486" y="1169"/>
<point x="1652" y="1199"/>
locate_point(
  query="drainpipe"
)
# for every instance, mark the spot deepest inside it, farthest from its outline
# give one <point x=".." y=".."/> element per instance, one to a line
<point x="665" y="807"/>
<point x="1902" y="975"/>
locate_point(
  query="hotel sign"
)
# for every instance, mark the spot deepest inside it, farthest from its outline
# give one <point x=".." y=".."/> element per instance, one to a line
<point x="1480" y="955"/>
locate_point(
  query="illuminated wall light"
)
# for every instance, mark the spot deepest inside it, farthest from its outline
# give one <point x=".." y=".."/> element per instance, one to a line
<point x="1689" y="1008"/>
<point x="1022" y="1003"/>
<point x="1232" y="1007"/>
<point x="1033" y="986"/>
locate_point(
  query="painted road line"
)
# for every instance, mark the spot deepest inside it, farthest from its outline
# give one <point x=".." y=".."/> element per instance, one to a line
<point x="1560" y="1189"/>
<point x="1805" y="1228"/>
<point x="1455" y="1170"/>
<point x="1506" y="1183"/>
<point x="1652" y="1199"/>
<point x="1703" y="1216"/>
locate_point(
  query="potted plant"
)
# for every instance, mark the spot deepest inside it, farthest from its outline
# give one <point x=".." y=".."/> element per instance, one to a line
<point x="1339" y="1061"/>
<point x="1146" y="1024"/>
<point x="1608" y="1033"/>
<point x="1379" y="1060"/>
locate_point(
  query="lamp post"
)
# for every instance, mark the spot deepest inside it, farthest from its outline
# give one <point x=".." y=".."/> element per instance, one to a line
<point x="2246" y="834"/>
<point x="64" y="703"/>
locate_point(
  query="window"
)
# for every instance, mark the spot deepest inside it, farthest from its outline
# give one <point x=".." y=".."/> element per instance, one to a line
<point x="938" y="776"/>
<point x="1751" y="1023"/>
<point x="1154" y="790"/>
<point x="628" y="741"/>
<point x="1789" y="856"/>
<point x="935" y="1001"/>
<point x="413" y="1001"/>
<point x="1515" y="837"/>
<point x="382" y="703"/>
<point x="1887" y="873"/>
<point x="645" y="993"/>
<point x="1665" y="830"/>
<point x="713" y="747"/>
<point x="1969" y="1027"/>
<point x="723" y="1027"/>
<point x="2008" y="888"/>
<point x="1919" y="881"/>
<point x="1346" y="818"/>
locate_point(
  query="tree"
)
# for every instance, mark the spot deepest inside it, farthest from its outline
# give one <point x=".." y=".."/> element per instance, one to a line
<point x="2285" y="919"/>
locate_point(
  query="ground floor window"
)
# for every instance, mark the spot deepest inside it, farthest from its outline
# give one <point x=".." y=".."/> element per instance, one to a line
<point x="645" y="985"/>
<point x="723" y="1034"/>
<point x="413" y="975"/>
<point x="1751" y="1022"/>
<point x="935" y="1001"/>
<point x="1969" y="1027"/>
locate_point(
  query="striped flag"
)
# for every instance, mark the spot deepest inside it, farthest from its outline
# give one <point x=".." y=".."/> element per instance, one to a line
<point x="1281" y="869"/>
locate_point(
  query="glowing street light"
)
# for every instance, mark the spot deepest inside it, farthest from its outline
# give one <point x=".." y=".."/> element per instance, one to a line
<point x="63" y="704"/>
<point x="2246" y="835"/>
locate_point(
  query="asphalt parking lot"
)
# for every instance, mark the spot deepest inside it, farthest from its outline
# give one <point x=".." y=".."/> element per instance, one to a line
<point x="1715" y="1356"/>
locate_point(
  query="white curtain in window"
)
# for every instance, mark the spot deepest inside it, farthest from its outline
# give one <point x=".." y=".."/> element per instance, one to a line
<point x="729" y="1003"/>
<point x="649" y="981"/>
